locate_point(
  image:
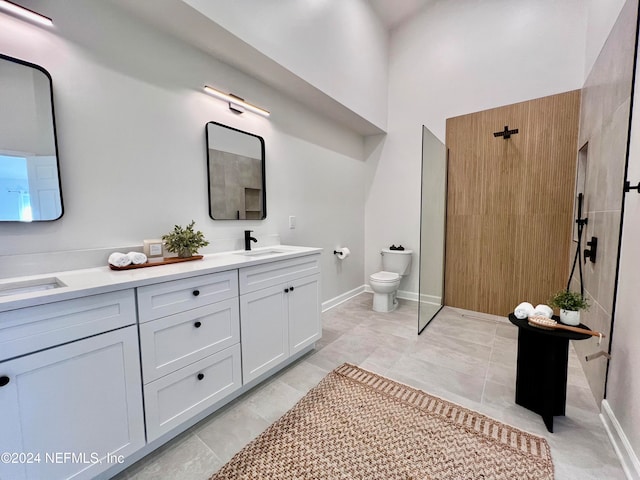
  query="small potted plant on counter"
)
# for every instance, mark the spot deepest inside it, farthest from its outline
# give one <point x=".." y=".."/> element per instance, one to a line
<point x="184" y="241"/>
<point x="570" y="303"/>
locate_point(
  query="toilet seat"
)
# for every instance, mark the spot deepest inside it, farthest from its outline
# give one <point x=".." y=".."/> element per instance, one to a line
<point x="384" y="277"/>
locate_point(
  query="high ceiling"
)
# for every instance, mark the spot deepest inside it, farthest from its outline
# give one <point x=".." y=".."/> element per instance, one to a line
<point x="394" y="12"/>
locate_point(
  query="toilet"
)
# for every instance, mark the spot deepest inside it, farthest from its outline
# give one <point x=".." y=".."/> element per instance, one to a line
<point x="395" y="265"/>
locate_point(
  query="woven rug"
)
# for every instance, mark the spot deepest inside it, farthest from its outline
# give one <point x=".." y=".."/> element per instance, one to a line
<point x="356" y="424"/>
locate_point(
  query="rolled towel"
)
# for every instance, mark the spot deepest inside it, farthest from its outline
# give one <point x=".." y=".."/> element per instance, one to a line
<point x="118" y="259"/>
<point x="137" y="258"/>
<point x="543" y="310"/>
<point x="524" y="310"/>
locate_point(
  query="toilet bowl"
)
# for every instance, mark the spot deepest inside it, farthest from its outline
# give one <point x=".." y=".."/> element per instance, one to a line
<point x="385" y="284"/>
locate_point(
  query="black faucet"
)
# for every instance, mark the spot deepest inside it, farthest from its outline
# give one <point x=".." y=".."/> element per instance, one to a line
<point x="248" y="239"/>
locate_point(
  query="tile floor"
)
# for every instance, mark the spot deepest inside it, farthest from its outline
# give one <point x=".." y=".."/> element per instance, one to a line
<point x="463" y="357"/>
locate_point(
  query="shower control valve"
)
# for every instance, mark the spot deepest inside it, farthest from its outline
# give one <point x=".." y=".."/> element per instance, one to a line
<point x="591" y="252"/>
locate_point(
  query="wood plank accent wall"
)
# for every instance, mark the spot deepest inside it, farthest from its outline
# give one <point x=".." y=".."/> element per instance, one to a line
<point x="510" y="204"/>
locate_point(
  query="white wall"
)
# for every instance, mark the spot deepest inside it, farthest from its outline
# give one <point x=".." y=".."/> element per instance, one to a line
<point x="600" y="19"/>
<point x="341" y="51"/>
<point x="131" y="121"/>
<point x="456" y="58"/>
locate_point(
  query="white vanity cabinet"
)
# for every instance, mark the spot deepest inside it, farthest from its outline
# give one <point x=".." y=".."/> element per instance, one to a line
<point x="279" y="312"/>
<point x="190" y="347"/>
<point x="106" y="368"/>
<point x="73" y="410"/>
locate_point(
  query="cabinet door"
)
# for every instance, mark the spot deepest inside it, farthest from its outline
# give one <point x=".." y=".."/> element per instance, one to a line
<point x="278" y="272"/>
<point x="176" y="296"/>
<point x="176" y="341"/>
<point x="305" y="326"/>
<point x="77" y="406"/>
<point x="175" y="398"/>
<point x="30" y="329"/>
<point x="264" y="331"/>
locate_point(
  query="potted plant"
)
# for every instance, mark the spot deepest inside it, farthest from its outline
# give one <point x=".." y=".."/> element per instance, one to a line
<point x="570" y="303"/>
<point x="184" y="241"/>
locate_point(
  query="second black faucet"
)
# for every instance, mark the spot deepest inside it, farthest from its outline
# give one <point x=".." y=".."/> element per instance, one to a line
<point x="248" y="239"/>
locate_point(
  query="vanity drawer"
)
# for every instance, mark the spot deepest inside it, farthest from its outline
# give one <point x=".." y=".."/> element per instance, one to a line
<point x="177" y="397"/>
<point x="273" y="273"/>
<point x="176" y="341"/>
<point x="167" y="298"/>
<point x="30" y="329"/>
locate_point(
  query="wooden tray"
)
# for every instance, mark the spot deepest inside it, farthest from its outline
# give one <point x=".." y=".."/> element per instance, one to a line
<point x="165" y="261"/>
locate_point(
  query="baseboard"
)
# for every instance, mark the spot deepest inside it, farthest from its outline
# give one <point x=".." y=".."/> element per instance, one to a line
<point x="620" y="442"/>
<point x="431" y="299"/>
<point x="342" y="298"/>
<point x="401" y="294"/>
<point x="408" y="295"/>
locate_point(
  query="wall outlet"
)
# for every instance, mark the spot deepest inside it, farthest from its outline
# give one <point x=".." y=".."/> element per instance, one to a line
<point x="292" y="222"/>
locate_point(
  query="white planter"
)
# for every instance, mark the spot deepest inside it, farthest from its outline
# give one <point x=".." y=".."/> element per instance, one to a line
<point x="570" y="317"/>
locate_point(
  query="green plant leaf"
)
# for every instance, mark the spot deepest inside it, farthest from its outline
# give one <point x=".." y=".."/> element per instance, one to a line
<point x="568" y="300"/>
<point x="184" y="239"/>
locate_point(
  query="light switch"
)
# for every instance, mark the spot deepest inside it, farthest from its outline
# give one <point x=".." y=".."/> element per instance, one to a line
<point x="292" y="222"/>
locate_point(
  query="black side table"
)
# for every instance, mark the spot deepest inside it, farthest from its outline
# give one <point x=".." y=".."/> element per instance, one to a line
<point x="541" y="378"/>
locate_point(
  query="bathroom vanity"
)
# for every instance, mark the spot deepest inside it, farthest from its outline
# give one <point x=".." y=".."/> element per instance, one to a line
<point x="99" y="367"/>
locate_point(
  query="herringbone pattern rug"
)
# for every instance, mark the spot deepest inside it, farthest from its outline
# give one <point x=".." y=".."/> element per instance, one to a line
<point x="356" y="424"/>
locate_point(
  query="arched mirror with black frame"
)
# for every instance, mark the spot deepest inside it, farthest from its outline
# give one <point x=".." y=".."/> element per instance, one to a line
<point x="432" y="228"/>
<point x="30" y="188"/>
<point x="236" y="171"/>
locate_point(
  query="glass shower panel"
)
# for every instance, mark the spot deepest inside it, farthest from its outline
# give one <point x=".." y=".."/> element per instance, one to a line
<point x="432" y="227"/>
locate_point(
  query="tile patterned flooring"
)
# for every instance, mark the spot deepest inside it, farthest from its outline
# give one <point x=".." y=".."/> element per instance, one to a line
<point x="463" y="357"/>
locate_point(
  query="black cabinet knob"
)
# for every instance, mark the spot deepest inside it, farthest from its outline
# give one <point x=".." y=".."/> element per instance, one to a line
<point x="286" y="290"/>
<point x="197" y="324"/>
<point x="196" y="293"/>
<point x="4" y="380"/>
<point x="292" y="289"/>
<point x="200" y="376"/>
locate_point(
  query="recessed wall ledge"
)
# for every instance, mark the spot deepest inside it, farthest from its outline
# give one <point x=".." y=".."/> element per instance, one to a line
<point x="50" y="262"/>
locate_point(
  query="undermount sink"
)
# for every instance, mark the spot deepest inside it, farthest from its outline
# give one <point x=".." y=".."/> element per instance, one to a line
<point x="260" y="253"/>
<point x="28" y="286"/>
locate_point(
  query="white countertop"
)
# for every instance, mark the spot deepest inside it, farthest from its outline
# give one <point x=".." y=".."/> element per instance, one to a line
<point x="92" y="281"/>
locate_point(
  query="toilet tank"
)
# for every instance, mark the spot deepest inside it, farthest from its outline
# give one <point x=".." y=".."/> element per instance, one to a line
<point x="396" y="261"/>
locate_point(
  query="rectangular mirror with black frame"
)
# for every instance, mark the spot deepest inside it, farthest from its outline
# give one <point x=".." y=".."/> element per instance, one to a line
<point x="29" y="165"/>
<point x="236" y="171"/>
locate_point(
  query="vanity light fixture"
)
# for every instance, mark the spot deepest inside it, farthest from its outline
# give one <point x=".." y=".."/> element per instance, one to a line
<point x="236" y="104"/>
<point x="24" y="12"/>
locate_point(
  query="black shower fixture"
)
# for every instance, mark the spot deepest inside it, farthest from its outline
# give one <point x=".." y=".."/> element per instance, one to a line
<point x="628" y="187"/>
<point x="592" y="251"/>
<point x="582" y="222"/>
<point x="506" y="133"/>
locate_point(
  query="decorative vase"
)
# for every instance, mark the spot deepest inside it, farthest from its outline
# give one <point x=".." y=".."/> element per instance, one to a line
<point x="185" y="253"/>
<point x="570" y="317"/>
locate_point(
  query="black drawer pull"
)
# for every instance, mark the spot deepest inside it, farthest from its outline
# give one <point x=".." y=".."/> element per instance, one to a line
<point x="200" y="376"/>
<point x="196" y="293"/>
<point x="286" y="290"/>
<point x="197" y="324"/>
<point x="4" y="380"/>
<point x="292" y="289"/>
